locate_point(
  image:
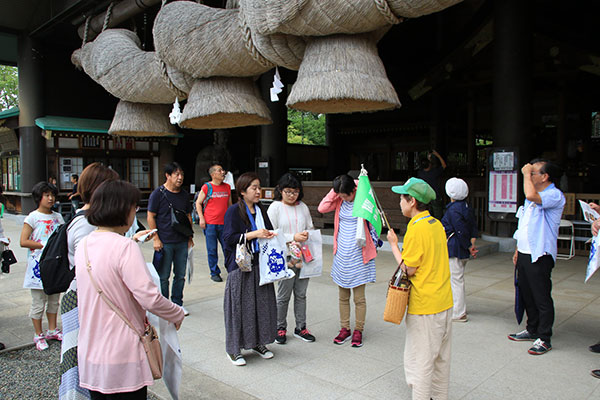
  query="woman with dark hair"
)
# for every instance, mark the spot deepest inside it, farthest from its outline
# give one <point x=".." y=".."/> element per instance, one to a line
<point x="92" y="176"/>
<point x="353" y="266"/>
<point x="250" y="310"/>
<point x="110" y="367"/>
<point x="292" y="217"/>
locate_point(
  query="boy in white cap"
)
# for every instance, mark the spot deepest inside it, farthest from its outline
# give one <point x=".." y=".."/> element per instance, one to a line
<point x="424" y="257"/>
<point x="461" y="229"/>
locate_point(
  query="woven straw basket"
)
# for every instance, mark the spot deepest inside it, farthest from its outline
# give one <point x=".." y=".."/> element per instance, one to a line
<point x="342" y="74"/>
<point x="397" y="299"/>
<point x="137" y="119"/>
<point x="116" y="61"/>
<point x="224" y="103"/>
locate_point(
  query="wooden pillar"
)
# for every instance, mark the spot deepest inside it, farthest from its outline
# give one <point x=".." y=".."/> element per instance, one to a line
<point x="512" y="90"/>
<point x="561" y="127"/>
<point x="273" y="137"/>
<point x="471" y="148"/>
<point x="32" y="146"/>
<point x="512" y="84"/>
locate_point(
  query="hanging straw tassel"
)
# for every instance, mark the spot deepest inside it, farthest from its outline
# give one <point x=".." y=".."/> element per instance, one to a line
<point x="342" y="74"/>
<point x="216" y="103"/>
<point x="137" y="119"/>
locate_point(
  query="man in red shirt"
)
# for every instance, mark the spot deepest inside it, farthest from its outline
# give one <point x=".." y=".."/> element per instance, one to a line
<point x="212" y="202"/>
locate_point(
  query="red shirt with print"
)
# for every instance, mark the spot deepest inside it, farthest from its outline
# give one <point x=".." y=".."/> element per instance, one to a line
<point x="214" y="211"/>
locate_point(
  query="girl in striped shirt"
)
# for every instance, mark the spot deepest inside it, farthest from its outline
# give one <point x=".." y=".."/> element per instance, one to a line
<point x="353" y="265"/>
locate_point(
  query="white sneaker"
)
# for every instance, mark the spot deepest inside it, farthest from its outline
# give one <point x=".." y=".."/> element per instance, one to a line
<point x="40" y="342"/>
<point x="237" y="359"/>
<point x="185" y="312"/>
<point x="262" y="351"/>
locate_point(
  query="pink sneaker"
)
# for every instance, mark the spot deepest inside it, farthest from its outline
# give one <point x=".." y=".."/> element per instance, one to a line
<point x="343" y="336"/>
<point x="54" y="335"/>
<point x="40" y="342"/>
<point x="357" y="339"/>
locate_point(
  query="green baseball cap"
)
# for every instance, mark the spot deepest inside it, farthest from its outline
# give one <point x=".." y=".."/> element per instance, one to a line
<point x="417" y="188"/>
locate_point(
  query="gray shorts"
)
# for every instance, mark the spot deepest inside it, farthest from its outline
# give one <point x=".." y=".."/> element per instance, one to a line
<point x="41" y="302"/>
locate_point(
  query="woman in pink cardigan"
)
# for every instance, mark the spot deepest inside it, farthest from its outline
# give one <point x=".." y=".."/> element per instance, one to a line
<point x="112" y="361"/>
<point x="353" y="265"/>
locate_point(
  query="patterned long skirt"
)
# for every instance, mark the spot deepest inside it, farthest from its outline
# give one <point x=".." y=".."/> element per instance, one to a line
<point x="69" y="388"/>
<point x="250" y="311"/>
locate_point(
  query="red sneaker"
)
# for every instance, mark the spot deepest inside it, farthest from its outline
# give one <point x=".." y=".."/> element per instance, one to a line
<point x="357" y="339"/>
<point x="343" y="336"/>
<point x="281" y="338"/>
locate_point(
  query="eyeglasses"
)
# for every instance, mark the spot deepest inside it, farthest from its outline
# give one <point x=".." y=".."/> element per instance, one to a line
<point x="291" y="192"/>
<point x="536" y="173"/>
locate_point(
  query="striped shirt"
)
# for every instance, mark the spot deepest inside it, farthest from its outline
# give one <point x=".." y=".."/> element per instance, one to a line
<point x="348" y="270"/>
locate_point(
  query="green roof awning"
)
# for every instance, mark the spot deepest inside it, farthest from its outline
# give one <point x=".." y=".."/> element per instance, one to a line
<point x="69" y="124"/>
<point x="11" y="112"/>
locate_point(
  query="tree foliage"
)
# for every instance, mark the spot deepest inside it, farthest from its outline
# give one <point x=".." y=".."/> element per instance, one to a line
<point x="9" y="87"/>
<point x="305" y="128"/>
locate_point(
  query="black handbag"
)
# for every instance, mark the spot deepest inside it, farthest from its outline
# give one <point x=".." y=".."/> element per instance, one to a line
<point x="179" y="220"/>
<point x="8" y="258"/>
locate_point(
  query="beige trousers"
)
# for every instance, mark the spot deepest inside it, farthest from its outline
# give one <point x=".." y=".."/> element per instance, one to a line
<point x="457" y="281"/>
<point x="427" y="355"/>
<point x="360" y="307"/>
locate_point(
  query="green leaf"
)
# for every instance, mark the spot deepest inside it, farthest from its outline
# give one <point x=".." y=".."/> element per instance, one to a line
<point x="9" y="87"/>
<point x="306" y="128"/>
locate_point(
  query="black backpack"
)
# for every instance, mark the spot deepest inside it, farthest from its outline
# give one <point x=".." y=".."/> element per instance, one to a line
<point x="55" y="271"/>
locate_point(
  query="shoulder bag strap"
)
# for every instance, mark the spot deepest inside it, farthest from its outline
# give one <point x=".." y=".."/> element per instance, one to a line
<point x="162" y="190"/>
<point x="209" y="192"/>
<point x="101" y="293"/>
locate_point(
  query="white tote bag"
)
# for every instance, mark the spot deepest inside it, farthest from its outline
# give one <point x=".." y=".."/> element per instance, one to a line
<point x="315" y="245"/>
<point x="271" y="260"/>
<point x="169" y="344"/>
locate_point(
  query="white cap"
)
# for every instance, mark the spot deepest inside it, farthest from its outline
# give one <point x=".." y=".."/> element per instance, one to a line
<point x="457" y="189"/>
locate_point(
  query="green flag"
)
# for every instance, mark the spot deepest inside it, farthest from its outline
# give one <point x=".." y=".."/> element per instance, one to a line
<point x="364" y="204"/>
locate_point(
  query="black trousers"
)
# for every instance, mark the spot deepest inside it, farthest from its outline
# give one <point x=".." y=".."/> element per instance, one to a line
<point x="139" y="394"/>
<point x="535" y="286"/>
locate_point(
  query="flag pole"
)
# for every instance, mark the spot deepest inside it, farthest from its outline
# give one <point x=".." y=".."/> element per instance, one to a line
<point x="363" y="172"/>
<point x="387" y="224"/>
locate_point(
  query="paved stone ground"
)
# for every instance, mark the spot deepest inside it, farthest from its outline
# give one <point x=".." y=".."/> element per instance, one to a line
<point x="485" y="364"/>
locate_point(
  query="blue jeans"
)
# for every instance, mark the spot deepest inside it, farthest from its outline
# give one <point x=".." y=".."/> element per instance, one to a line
<point x="213" y="233"/>
<point x="176" y="254"/>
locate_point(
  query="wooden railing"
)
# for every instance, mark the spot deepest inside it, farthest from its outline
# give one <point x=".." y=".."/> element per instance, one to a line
<point x="478" y="202"/>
